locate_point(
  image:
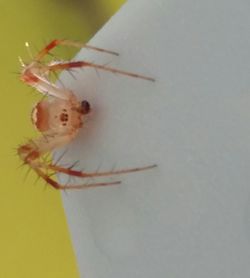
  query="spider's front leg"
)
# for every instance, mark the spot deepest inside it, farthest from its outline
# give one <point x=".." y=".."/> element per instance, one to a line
<point x="81" y="64"/>
<point x="34" y="75"/>
<point x="32" y="153"/>
<point x="56" y="42"/>
<point x="61" y="66"/>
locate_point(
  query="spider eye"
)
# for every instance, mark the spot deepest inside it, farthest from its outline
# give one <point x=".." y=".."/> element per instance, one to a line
<point x="85" y="107"/>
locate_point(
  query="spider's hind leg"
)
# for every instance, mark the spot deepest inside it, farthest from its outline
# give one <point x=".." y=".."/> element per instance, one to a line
<point x="59" y="186"/>
<point x="80" y="174"/>
<point x="33" y="152"/>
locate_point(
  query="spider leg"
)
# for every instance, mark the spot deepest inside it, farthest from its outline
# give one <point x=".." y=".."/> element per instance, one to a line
<point x="32" y="153"/>
<point x="56" y="43"/>
<point x="44" y="86"/>
<point x="34" y="74"/>
<point x="59" y="186"/>
<point x="81" y="174"/>
<point x="80" y="64"/>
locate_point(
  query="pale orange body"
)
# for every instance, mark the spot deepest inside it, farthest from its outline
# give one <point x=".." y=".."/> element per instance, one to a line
<point x="60" y="116"/>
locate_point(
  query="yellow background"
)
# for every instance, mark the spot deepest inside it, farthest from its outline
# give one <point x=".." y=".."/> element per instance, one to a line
<point x="34" y="238"/>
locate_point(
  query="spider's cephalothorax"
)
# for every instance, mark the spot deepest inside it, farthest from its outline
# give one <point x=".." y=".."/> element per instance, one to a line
<point x="60" y="115"/>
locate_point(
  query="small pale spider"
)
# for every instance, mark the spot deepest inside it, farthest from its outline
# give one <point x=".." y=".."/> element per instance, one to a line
<point x="60" y="115"/>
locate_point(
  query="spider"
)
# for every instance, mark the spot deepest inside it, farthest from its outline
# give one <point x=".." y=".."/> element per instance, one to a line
<point x="60" y="115"/>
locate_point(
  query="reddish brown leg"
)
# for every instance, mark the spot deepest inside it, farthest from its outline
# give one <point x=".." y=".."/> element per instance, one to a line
<point x="59" y="186"/>
<point x="80" y="64"/>
<point x="56" y="43"/>
<point x="94" y="175"/>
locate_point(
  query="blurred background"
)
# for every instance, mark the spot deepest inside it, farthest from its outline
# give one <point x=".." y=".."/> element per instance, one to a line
<point x="34" y="238"/>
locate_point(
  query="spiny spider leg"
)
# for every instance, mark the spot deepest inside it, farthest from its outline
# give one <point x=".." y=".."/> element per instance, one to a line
<point x="56" y="43"/>
<point x="80" y="64"/>
<point x="81" y="174"/>
<point x="57" y="185"/>
<point x="35" y="73"/>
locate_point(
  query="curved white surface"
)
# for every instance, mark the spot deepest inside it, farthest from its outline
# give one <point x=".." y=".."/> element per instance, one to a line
<point x="190" y="217"/>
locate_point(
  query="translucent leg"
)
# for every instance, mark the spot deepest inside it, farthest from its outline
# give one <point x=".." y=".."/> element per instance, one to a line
<point x="80" y="64"/>
<point x="59" y="186"/>
<point x="75" y="173"/>
<point x="56" y="43"/>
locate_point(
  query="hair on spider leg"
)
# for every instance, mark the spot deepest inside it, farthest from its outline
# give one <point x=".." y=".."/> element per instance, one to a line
<point x="71" y="179"/>
<point x="65" y="166"/>
<point x="98" y="167"/>
<point x="27" y="139"/>
<point x="29" y="50"/>
<point x="45" y="186"/>
<point x="21" y="165"/>
<point x="34" y="143"/>
<point x="106" y="64"/>
<point x="65" y="191"/>
<point x="46" y="158"/>
<point x="15" y="149"/>
<point x="17" y="73"/>
<point x="73" y="165"/>
<point x="37" y="179"/>
<point x="26" y="174"/>
<point x="60" y="157"/>
<point x="71" y="72"/>
<point x="44" y="96"/>
<point x="96" y="70"/>
<point x="52" y="55"/>
<point x="58" y="79"/>
<point x="113" y="167"/>
<point x="97" y="73"/>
